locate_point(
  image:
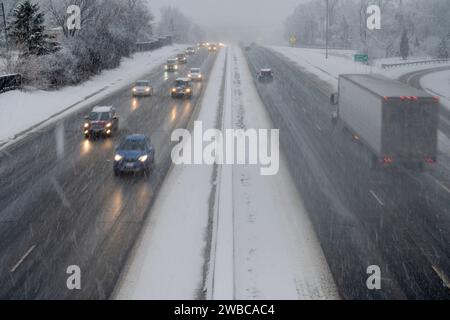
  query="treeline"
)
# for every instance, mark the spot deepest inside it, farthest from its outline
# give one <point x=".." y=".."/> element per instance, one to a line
<point x="175" y="23"/>
<point x="408" y="27"/>
<point x="109" y="31"/>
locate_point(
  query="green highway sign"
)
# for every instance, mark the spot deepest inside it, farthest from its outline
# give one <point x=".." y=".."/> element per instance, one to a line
<point x="361" y="57"/>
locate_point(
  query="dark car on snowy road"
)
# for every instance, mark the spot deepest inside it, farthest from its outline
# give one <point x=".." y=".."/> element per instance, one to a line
<point x="135" y="154"/>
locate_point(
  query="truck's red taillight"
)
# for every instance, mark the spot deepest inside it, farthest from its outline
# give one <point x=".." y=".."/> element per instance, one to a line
<point x="387" y="160"/>
<point x="430" y="160"/>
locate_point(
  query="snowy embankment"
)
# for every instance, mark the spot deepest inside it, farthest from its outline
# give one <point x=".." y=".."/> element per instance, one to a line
<point x="438" y="83"/>
<point x="236" y="234"/>
<point x="341" y="62"/>
<point x="21" y="112"/>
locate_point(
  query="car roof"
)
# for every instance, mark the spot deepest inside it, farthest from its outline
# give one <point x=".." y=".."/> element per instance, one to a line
<point x="195" y="69"/>
<point x="172" y="60"/>
<point x="266" y="70"/>
<point x="183" y="79"/>
<point x="136" y="137"/>
<point x="143" y="81"/>
<point x="102" y="109"/>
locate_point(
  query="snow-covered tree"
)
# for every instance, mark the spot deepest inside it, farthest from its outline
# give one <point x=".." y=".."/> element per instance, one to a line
<point x="174" y="23"/>
<point x="424" y="20"/>
<point x="404" y="45"/>
<point x="27" y="29"/>
<point x="443" y="48"/>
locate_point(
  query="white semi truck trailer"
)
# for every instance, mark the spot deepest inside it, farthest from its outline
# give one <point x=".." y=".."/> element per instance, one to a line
<point x="397" y="123"/>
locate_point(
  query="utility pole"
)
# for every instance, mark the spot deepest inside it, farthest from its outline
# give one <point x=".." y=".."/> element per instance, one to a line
<point x="4" y="26"/>
<point x="326" y="32"/>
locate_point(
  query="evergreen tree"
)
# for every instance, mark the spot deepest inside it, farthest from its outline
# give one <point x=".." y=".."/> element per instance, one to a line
<point x="404" y="45"/>
<point x="27" y="29"/>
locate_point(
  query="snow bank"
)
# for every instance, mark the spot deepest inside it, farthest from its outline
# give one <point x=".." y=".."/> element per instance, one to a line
<point x="438" y="83"/>
<point x="21" y="110"/>
<point x="342" y="62"/>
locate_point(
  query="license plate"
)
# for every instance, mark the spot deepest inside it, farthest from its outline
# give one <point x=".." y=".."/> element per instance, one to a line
<point x="130" y="165"/>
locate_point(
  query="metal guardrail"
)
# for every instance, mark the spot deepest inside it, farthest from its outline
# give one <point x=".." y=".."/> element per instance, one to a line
<point x="413" y="63"/>
<point x="153" y="45"/>
<point x="10" y="82"/>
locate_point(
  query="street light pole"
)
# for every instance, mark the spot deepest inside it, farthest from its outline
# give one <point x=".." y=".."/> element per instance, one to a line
<point x="326" y="32"/>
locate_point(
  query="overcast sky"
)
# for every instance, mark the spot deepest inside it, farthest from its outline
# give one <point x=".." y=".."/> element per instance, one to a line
<point x="260" y="20"/>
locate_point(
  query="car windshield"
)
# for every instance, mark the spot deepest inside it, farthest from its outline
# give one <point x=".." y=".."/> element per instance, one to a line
<point x="266" y="73"/>
<point x="132" y="144"/>
<point x="181" y="56"/>
<point x="195" y="70"/>
<point x="181" y="83"/>
<point x="142" y="84"/>
<point x="99" y="116"/>
<point x="171" y="61"/>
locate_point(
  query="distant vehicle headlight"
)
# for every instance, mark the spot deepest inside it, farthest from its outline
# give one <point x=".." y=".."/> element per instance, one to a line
<point x="134" y="89"/>
<point x="166" y="67"/>
<point x="109" y="125"/>
<point x="174" y="90"/>
<point x="176" y="67"/>
<point x="190" y="75"/>
<point x="147" y="89"/>
<point x="118" y="157"/>
<point x="143" y="158"/>
<point x="188" y="90"/>
<point x="86" y="125"/>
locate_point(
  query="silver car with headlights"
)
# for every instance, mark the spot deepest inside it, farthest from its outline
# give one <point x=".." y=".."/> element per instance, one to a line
<point x="171" y="65"/>
<point x="195" y="74"/>
<point x="142" y="88"/>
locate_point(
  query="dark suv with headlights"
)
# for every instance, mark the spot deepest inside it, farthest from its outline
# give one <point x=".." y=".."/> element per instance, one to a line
<point x="102" y="121"/>
<point x="182" y="88"/>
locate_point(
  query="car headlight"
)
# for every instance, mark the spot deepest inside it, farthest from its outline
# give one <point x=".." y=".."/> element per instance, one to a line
<point x="174" y="90"/>
<point x="118" y="157"/>
<point x="176" y="67"/>
<point x="147" y="89"/>
<point x="143" y="158"/>
<point x="188" y="90"/>
<point x="86" y="125"/>
<point x="190" y="75"/>
<point x="134" y="89"/>
<point x="109" y="125"/>
<point x="166" y="67"/>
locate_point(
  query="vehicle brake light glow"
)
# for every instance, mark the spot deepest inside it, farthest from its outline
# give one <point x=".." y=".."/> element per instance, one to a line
<point x="387" y="160"/>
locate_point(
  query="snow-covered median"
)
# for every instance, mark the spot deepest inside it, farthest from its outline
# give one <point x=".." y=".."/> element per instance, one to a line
<point x="20" y="110"/>
<point x="277" y="253"/>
